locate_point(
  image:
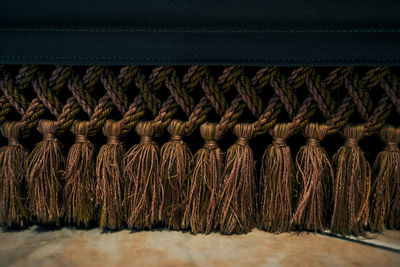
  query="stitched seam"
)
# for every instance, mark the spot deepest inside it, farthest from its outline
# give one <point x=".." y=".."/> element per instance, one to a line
<point x="213" y="58"/>
<point x="199" y="31"/>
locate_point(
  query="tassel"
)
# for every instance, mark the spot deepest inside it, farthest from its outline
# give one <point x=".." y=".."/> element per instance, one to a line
<point x="352" y="185"/>
<point x="109" y="178"/>
<point x="205" y="181"/>
<point x="144" y="194"/>
<point x="316" y="174"/>
<point x="237" y="195"/>
<point x="43" y="176"/>
<point x="13" y="202"/>
<point x="175" y="162"/>
<point x="386" y="188"/>
<point x="277" y="177"/>
<point x="80" y="178"/>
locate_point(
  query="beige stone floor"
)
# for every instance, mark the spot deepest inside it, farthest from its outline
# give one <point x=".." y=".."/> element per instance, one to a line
<point x="72" y="247"/>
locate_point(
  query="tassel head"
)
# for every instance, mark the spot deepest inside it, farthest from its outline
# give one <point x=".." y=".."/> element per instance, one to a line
<point x="13" y="200"/>
<point x="174" y="171"/>
<point x="44" y="172"/>
<point x="277" y="177"/>
<point x="144" y="195"/>
<point x="352" y="185"/>
<point x="205" y="182"/>
<point x="385" y="202"/>
<point x="80" y="180"/>
<point x="109" y="178"/>
<point x="237" y="196"/>
<point x="315" y="175"/>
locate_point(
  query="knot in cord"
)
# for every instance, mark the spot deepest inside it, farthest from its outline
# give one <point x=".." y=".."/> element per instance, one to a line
<point x="176" y="127"/>
<point x="81" y="130"/>
<point x="392" y="146"/>
<point x="112" y="140"/>
<point x="12" y="141"/>
<point x="208" y="133"/>
<point x="315" y="133"/>
<point x="243" y="131"/>
<point x="48" y="137"/>
<point x="313" y="142"/>
<point x="112" y="130"/>
<point x="10" y="130"/>
<point x="242" y="141"/>
<point x="81" y="138"/>
<point x="47" y="128"/>
<point x="211" y="144"/>
<point x="279" y="141"/>
<point x="353" y="133"/>
<point x="351" y="142"/>
<point x="280" y="132"/>
<point x="391" y="136"/>
<point x="177" y="138"/>
<point x="145" y="130"/>
<point x="145" y="139"/>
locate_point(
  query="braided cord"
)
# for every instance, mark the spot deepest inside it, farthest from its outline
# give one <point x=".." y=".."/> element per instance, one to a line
<point x="199" y="113"/>
<point x="321" y="91"/>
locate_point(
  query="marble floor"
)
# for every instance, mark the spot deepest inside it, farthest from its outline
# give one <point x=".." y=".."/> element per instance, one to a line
<point x="74" y="247"/>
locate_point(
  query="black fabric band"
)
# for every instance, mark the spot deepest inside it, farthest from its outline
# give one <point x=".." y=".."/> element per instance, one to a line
<point x="200" y="32"/>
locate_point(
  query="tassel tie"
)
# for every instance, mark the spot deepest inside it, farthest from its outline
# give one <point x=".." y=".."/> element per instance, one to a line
<point x="13" y="201"/>
<point x="205" y="182"/>
<point x="385" y="204"/>
<point x="175" y="163"/>
<point x="315" y="175"/>
<point x="44" y="172"/>
<point x="144" y="196"/>
<point x="352" y="185"/>
<point x="237" y="195"/>
<point x="277" y="177"/>
<point x="80" y="180"/>
<point x="109" y="178"/>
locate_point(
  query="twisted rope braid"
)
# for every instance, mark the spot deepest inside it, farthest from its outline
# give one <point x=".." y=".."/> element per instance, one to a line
<point x="199" y="113"/>
<point x="392" y="90"/>
<point x="322" y="91"/>
<point x="81" y="90"/>
<point x="248" y="92"/>
<point x="281" y="86"/>
<point x="115" y="92"/>
<point x="320" y="96"/>
<point x="169" y="107"/>
<point x="374" y="117"/>
<point x="13" y="95"/>
<point x="12" y="92"/>
<point x="32" y="115"/>
<point x="5" y="108"/>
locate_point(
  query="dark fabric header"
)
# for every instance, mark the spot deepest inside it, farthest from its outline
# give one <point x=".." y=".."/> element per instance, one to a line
<point x="200" y="32"/>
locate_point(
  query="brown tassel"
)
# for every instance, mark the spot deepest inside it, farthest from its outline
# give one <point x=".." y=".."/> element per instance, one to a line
<point x="43" y="176"/>
<point x="13" y="202"/>
<point x="80" y="178"/>
<point x="352" y="185"/>
<point x="175" y="162"/>
<point x="237" y="203"/>
<point x="144" y="194"/>
<point x="205" y="182"/>
<point x="385" y="205"/>
<point x="316" y="174"/>
<point x="109" y="178"/>
<point x="277" y="176"/>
